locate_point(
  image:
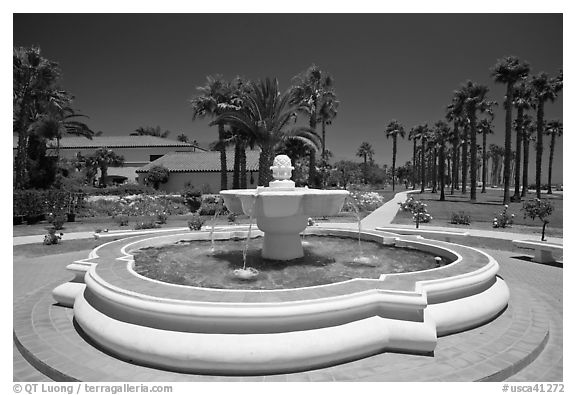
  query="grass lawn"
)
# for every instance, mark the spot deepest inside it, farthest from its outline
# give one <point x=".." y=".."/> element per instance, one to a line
<point x="481" y="213"/>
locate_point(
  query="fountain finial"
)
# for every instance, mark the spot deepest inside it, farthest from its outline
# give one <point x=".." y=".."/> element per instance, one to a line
<point x="282" y="171"/>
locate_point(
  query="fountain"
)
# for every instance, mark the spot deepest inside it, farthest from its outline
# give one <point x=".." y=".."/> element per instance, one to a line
<point x="268" y="331"/>
<point x="282" y="210"/>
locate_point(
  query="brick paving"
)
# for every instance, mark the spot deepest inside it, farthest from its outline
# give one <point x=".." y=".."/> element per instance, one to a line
<point x="524" y="343"/>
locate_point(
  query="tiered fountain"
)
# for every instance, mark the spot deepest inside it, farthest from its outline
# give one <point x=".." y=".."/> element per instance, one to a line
<point x="239" y="331"/>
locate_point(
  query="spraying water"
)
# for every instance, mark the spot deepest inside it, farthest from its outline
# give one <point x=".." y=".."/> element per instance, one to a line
<point x="361" y="259"/>
<point x="248" y="273"/>
<point x="216" y="213"/>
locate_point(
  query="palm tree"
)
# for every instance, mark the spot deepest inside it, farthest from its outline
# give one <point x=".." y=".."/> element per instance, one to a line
<point x="102" y="159"/>
<point x="366" y="152"/>
<point x="528" y="128"/>
<point x="313" y="95"/>
<point x="266" y="116"/>
<point x="456" y="112"/>
<point x="215" y="98"/>
<point x="394" y="129"/>
<point x="35" y="87"/>
<point x="485" y="128"/>
<point x="509" y="71"/>
<point x="150" y="131"/>
<point x="522" y="101"/>
<point x="182" y="138"/>
<point x="442" y="134"/>
<point x="553" y="128"/>
<point x="472" y="97"/>
<point x="544" y="89"/>
<point x="415" y="134"/>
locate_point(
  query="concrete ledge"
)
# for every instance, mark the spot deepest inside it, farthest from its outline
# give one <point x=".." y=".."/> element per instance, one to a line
<point x="443" y="235"/>
<point x="542" y="250"/>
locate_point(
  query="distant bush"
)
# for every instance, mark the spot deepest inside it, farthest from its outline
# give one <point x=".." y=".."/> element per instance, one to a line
<point x="148" y="223"/>
<point x="460" y="219"/>
<point x="161" y="218"/>
<point x="122" y="220"/>
<point x="120" y="190"/>
<point x="211" y="204"/>
<point x="196" y="222"/>
<point x="52" y="237"/>
<point x="232" y="218"/>
<point x="192" y="198"/>
<point x="536" y="208"/>
<point x="418" y="210"/>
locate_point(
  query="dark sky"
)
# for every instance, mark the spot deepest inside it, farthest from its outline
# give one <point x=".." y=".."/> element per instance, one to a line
<point x="129" y="70"/>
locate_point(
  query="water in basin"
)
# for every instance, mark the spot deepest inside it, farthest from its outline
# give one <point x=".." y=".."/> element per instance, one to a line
<point x="326" y="260"/>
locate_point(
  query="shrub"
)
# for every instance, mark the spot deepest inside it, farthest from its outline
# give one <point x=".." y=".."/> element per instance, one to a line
<point x="120" y="190"/>
<point x="536" y="208"/>
<point x="148" y="223"/>
<point x="122" y="220"/>
<point x="418" y="210"/>
<point x="460" y="218"/>
<point x="503" y="219"/>
<point x="232" y="218"/>
<point x="52" y="237"/>
<point x="58" y="222"/>
<point x="212" y="204"/>
<point x="192" y="198"/>
<point x="161" y="218"/>
<point x="157" y="175"/>
<point x="196" y="222"/>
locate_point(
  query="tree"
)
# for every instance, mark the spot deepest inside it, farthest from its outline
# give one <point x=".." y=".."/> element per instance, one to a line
<point x="509" y="71"/>
<point x="553" y="129"/>
<point x="454" y="114"/>
<point x="216" y="97"/>
<point x="267" y="117"/>
<point x="366" y="152"/>
<point x="522" y="101"/>
<point x="457" y="113"/>
<point x="442" y="134"/>
<point x="394" y="129"/>
<point x="544" y="89"/>
<point x="157" y="175"/>
<point x="485" y="128"/>
<point x="347" y="172"/>
<point x="103" y="158"/>
<point x="313" y="95"/>
<point x="150" y="131"/>
<point x="414" y="135"/>
<point x="182" y="138"/>
<point x="421" y="132"/>
<point x="35" y="86"/>
<point x="536" y="208"/>
<point x="474" y="100"/>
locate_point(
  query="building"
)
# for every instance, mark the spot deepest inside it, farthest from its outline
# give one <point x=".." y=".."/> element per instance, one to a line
<point x="136" y="150"/>
<point x="200" y="170"/>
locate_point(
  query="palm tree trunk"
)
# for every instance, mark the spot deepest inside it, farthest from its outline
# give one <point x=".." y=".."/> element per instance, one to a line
<point x="508" y="141"/>
<point x="243" y="174"/>
<point x="423" y="164"/>
<point x="222" y="149"/>
<point x="484" y="162"/>
<point x="414" y="164"/>
<point x="525" y="163"/>
<point x="312" y="169"/>
<point x="473" y="155"/>
<point x="441" y="163"/>
<point x="519" y="138"/>
<point x="393" y="162"/>
<point x="464" y="164"/>
<point x="552" y="143"/>
<point x="236" y="173"/>
<point x="365" y="169"/>
<point x="434" y="171"/>
<point x="457" y="167"/>
<point x="103" y="175"/>
<point x="539" y="148"/>
<point x="264" y="164"/>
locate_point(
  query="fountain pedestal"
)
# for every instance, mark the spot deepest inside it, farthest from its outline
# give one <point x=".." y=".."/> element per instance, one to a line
<point x="282" y="237"/>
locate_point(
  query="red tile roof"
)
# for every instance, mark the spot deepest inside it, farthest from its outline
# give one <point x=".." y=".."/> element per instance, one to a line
<point x="200" y="161"/>
<point x="114" y="142"/>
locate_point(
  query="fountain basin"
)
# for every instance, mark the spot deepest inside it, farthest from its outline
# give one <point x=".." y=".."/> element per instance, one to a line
<point x="204" y="330"/>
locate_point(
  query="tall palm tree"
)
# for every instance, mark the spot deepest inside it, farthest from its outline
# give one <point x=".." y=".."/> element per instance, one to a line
<point x="509" y="71"/>
<point x="182" y="138"/>
<point x="454" y="114"/>
<point x="35" y="80"/>
<point x="394" y="129"/>
<point x="528" y="128"/>
<point x="522" y="101"/>
<point x="267" y="116"/>
<point x="415" y="134"/>
<point x="544" y="89"/>
<point x="313" y="95"/>
<point x="215" y="98"/>
<point x="474" y="100"/>
<point x="553" y="129"/>
<point x="485" y="128"/>
<point x="366" y="152"/>
<point x="442" y="133"/>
